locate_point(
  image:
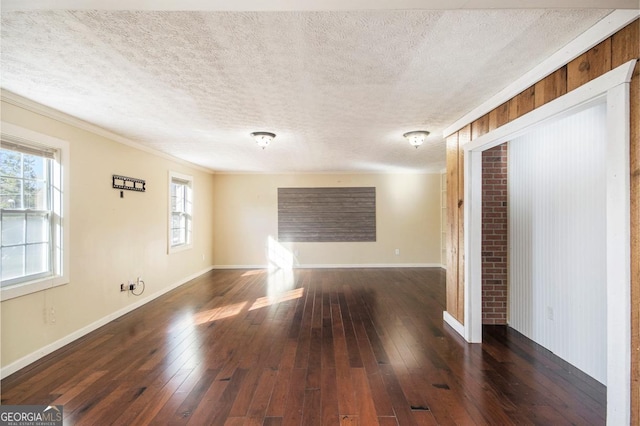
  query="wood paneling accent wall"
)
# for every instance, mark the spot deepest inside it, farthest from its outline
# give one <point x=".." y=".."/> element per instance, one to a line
<point x="327" y="214"/>
<point x="453" y="221"/>
<point x="610" y="53"/>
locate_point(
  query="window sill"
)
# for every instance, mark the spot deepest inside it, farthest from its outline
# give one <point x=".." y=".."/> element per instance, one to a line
<point x="22" y="289"/>
<point x="182" y="247"/>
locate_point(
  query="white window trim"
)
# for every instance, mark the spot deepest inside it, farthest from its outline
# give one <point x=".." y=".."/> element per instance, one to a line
<point x="61" y="251"/>
<point x="175" y="249"/>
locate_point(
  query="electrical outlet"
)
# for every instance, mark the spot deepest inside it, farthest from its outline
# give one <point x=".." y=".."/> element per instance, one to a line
<point x="397" y="252"/>
<point x="550" y="313"/>
<point x="52" y="316"/>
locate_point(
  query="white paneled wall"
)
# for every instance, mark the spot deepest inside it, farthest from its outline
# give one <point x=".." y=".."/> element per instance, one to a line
<point x="557" y="238"/>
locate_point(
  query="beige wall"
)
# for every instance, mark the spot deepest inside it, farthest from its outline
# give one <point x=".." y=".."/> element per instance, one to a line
<point x="112" y="239"/>
<point x="115" y="239"/>
<point x="408" y="218"/>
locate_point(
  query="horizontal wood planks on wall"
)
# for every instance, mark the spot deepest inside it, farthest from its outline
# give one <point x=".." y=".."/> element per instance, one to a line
<point x="327" y="214"/>
<point x="616" y="50"/>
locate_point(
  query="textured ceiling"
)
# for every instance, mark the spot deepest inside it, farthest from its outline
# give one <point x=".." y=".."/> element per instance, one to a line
<point x="339" y="88"/>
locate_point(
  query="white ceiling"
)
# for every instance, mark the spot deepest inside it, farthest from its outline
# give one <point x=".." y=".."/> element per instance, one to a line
<point x="338" y="87"/>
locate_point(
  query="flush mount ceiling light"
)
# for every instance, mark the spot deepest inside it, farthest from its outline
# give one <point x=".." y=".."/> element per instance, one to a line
<point x="263" y="138"/>
<point x="417" y="137"/>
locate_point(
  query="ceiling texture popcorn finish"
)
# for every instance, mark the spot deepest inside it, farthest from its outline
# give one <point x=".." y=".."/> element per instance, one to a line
<point x="339" y="88"/>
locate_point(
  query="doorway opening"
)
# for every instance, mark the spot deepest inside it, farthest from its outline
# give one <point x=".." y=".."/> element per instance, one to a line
<point x="612" y="89"/>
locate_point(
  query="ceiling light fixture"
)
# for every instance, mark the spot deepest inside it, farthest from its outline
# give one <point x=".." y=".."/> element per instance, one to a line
<point x="417" y="137"/>
<point x="263" y="138"/>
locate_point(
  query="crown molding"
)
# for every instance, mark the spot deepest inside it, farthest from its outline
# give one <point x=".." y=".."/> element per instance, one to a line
<point x="305" y="5"/>
<point x="35" y="107"/>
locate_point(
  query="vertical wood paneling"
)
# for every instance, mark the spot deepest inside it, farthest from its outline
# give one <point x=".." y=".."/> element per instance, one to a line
<point x="522" y="103"/>
<point x="499" y="116"/>
<point x="464" y="136"/>
<point x="589" y="65"/>
<point x="443" y="218"/>
<point x="557" y="212"/>
<point x="625" y="46"/>
<point x="551" y="87"/>
<point x="452" y="225"/>
<point x="480" y="126"/>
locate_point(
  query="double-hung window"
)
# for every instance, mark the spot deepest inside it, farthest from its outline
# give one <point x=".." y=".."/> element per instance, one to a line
<point x="30" y="216"/>
<point x="180" y="211"/>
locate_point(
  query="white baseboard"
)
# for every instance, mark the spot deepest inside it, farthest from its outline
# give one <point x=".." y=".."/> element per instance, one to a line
<point x="368" y="265"/>
<point x="338" y="265"/>
<point x="454" y="323"/>
<point x="240" y="266"/>
<point x="46" y="350"/>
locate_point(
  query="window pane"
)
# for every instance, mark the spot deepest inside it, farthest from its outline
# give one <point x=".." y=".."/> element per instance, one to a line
<point x="12" y="262"/>
<point x="176" y="221"/>
<point x="177" y="197"/>
<point x="35" y="195"/>
<point x="37" y="258"/>
<point x="37" y="228"/>
<point x="10" y="190"/>
<point x="10" y="163"/>
<point x="177" y="237"/>
<point x="13" y="228"/>
<point x="34" y="167"/>
<point x="173" y="197"/>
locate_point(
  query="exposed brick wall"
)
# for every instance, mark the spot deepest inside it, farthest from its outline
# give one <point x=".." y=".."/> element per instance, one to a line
<point x="494" y="235"/>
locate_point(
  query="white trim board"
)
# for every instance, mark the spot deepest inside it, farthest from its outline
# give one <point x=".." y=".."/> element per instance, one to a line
<point x="608" y="26"/>
<point x="296" y="5"/>
<point x="338" y="266"/>
<point x="453" y="323"/>
<point x="46" y="350"/>
<point x="614" y="87"/>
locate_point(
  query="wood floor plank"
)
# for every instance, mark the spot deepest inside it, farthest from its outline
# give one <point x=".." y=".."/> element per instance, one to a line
<point x="333" y="346"/>
<point x="153" y="406"/>
<point x="366" y="406"/>
<point x="329" y="397"/>
<point x="272" y="421"/>
<point x="261" y="397"/>
<point x="191" y="402"/>
<point x="295" y="398"/>
<point x="279" y="396"/>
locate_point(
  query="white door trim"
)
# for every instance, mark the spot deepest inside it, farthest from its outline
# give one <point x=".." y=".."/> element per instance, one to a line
<point x="612" y="88"/>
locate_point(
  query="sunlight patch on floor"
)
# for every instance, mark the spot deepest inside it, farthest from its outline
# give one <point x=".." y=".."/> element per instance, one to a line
<point x="272" y="300"/>
<point x="218" y="313"/>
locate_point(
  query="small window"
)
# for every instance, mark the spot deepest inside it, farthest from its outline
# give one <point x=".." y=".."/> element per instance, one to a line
<point x="180" y="211"/>
<point x="31" y="201"/>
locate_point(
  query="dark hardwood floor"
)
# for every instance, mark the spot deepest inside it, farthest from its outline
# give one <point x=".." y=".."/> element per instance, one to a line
<point x="305" y="347"/>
